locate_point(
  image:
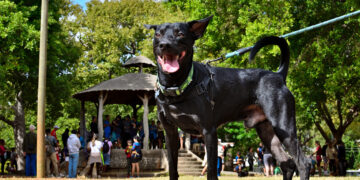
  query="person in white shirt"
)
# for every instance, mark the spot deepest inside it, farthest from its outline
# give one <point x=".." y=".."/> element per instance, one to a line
<point x="73" y="145"/>
<point x="221" y="150"/>
<point x="106" y="153"/>
<point x="94" y="162"/>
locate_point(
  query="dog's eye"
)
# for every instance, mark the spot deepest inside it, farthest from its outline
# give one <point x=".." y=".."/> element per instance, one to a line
<point x="180" y="34"/>
<point x="157" y="35"/>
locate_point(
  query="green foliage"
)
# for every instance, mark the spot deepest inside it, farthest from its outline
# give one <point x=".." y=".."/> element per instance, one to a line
<point x="352" y="153"/>
<point x="241" y="136"/>
<point x="65" y="122"/>
<point x="111" y="33"/>
<point x="326" y="63"/>
<point x="7" y="134"/>
<point x="19" y="54"/>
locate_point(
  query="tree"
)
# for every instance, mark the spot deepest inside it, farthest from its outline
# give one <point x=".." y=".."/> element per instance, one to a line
<point x="19" y="27"/>
<point x="326" y="74"/>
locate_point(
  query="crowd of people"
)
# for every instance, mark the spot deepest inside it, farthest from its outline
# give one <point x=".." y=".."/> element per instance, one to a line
<point x="128" y="134"/>
<point x="330" y="159"/>
<point x="120" y="130"/>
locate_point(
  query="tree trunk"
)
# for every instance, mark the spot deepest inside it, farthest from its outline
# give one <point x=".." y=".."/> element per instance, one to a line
<point x="19" y="131"/>
<point x="18" y="126"/>
<point x="102" y="100"/>
<point x="145" y="101"/>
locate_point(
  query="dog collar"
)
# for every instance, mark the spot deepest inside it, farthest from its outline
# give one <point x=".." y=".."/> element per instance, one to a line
<point x="176" y="91"/>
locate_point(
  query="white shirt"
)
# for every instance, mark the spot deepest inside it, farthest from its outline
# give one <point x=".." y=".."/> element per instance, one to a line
<point x="95" y="150"/>
<point x="73" y="144"/>
<point x="220" y="150"/>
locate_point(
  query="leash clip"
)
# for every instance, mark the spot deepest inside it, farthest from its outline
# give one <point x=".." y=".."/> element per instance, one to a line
<point x="221" y="58"/>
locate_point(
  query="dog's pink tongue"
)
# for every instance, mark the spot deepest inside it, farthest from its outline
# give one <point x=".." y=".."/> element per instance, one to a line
<point x="170" y="66"/>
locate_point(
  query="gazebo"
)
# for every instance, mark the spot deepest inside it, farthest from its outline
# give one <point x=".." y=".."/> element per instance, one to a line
<point x="139" y="61"/>
<point x="132" y="89"/>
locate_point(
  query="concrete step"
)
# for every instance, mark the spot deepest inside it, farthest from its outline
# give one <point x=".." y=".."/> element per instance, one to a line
<point x="184" y="155"/>
<point x="189" y="166"/>
<point x="190" y="173"/>
<point x="187" y="158"/>
<point x="188" y="161"/>
<point x="123" y="173"/>
<point x="190" y="170"/>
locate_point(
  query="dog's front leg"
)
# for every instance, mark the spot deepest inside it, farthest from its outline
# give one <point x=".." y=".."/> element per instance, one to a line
<point x="172" y="145"/>
<point x="211" y="148"/>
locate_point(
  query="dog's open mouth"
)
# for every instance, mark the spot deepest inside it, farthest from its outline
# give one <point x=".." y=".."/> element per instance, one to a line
<point x="170" y="63"/>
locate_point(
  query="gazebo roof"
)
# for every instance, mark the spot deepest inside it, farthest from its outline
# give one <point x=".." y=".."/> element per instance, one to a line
<point x="122" y="90"/>
<point x="139" y="61"/>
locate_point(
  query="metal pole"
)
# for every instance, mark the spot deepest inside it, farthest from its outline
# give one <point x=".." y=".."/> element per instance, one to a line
<point x="40" y="149"/>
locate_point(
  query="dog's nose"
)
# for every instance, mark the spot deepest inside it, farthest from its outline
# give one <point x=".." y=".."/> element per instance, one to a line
<point x="164" y="45"/>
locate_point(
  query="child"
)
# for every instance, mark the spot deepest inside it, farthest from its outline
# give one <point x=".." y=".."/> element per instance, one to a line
<point x="240" y="165"/>
<point x="128" y="156"/>
<point x="136" y="156"/>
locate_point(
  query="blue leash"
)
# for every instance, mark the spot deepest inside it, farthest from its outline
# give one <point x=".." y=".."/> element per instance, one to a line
<point x="247" y="49"/>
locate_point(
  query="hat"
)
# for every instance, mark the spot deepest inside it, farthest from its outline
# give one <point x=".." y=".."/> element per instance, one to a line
<point x="57" y="127"/>
<point x="219" y="140"/>
<point x="32" y="127"/>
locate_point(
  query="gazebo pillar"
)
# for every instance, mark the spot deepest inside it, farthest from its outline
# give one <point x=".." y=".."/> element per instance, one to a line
<point x="145" y="101"/>
<point x="102" y="100"/>
<point x="82" y="120"/>
<point x="187" y="141"/>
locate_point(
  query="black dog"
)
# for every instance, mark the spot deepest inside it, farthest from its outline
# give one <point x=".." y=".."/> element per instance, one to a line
<point x="199" y="98"/>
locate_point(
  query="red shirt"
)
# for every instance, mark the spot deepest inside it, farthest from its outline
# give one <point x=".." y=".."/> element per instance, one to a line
<point x="128" y="151"/>
<point x="2" y="150"/>
<point x="53" y="133"/>
<point x="318" y="151"/>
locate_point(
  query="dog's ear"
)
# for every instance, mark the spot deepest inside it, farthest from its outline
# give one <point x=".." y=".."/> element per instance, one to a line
<point x="148" y="26"/>
<point x="198" y="27"/>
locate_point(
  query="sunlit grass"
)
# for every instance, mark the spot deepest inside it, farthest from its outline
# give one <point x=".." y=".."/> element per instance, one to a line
<point x="224" y="178"/>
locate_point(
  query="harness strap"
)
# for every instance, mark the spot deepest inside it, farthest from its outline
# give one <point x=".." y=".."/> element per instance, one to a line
<point x="211" y="85"/>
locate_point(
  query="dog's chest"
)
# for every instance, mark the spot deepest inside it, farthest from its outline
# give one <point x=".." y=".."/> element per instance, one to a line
<point x="188" y="114"/>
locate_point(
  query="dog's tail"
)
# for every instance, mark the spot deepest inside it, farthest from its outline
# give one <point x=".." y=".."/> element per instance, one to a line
<point x="284" y="47"/>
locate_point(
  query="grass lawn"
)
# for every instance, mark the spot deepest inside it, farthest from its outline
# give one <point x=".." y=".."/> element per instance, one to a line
<point x="253" y="178"/>
<point x="222" y="178"/>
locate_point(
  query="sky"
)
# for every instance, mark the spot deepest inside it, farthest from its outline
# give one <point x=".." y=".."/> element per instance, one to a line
<point x="82" y="3"/>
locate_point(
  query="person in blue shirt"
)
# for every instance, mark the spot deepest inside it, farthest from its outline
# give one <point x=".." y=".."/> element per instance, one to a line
<point x="82" y="142"/>
<point x="260" y="154"/>
<point x="153" y="135"/>
<point x="107" y="128"/>
<point x="240" y="165"/>
<point x="136" y="156"/>
<point x="141" y="134"/>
